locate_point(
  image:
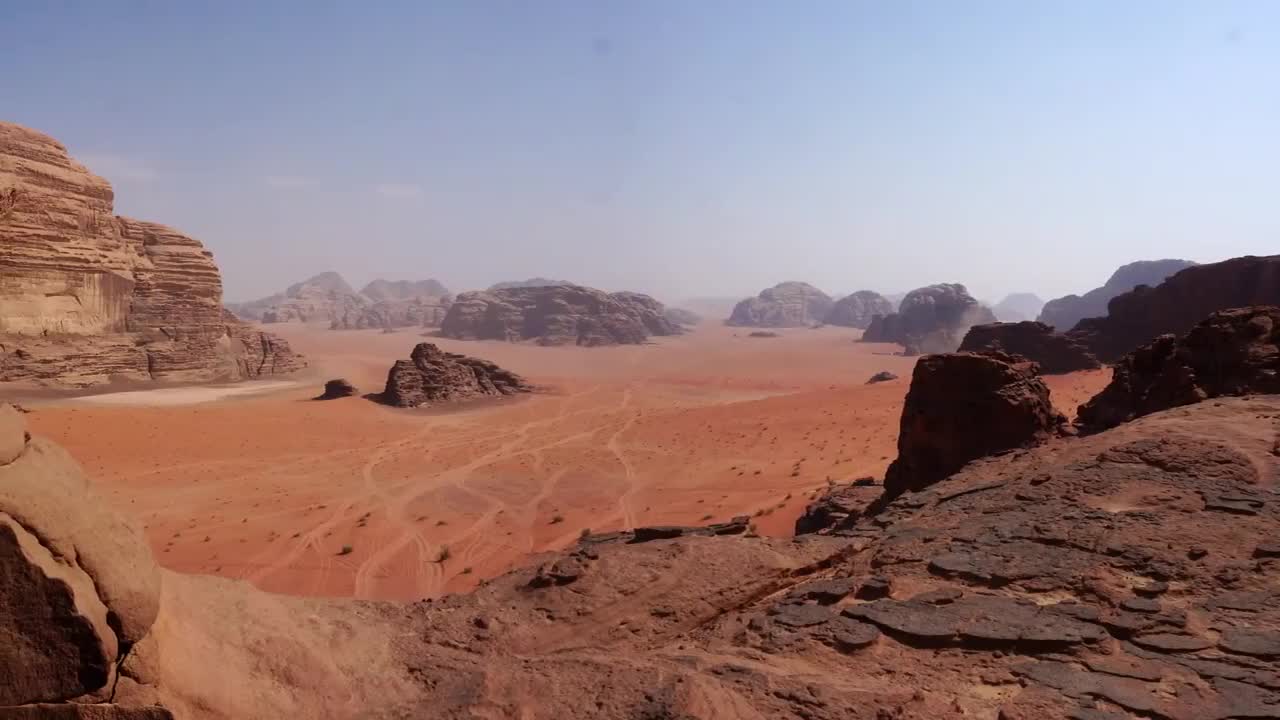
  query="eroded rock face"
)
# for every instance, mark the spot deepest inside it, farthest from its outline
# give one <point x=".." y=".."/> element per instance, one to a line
<point x="557" y="315"/>
<point x="1055" y="353"/>
<point x="1233" y="352"/>
<point x="86" y="296"/>
<point x="432" y="375"/>
<point x="931" y="319"/>
<point x="1063" y="313"/>
<point x="857" y="310"/>
<point x="965" y="406"/>
<point x="788" y="304"/>
<point x="77" y="582"/>
<point x="1185" y="298"/>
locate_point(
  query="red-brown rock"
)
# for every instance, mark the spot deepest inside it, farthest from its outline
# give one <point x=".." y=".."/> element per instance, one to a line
<point x="1056" y="353"/>
<point x="1233" y="352"/>
<point x="432" y="375"/>
<point x="557" y="315"/>
<point x="963" y="406"/>
<point x="1177" y="304"/>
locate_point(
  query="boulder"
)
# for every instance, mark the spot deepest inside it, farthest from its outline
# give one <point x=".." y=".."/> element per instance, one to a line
<point x="89" y="297"/>
<point x="1063" y="313"/>
<point x="557" y="315"/>
<point x="1174" y="306"/>
<point x="964" y="406"/>
<point x="1017" y="307"/>
<point x="882" y="376"/>
<point x="930" y="319"/>
<point x="788" y="304"/>
<point x="432" y="375"/>
<point x="335" y="389"/>
<point x="1056" y="353"/>
<point x="1232" y="352"/>
<point x="857" y="310"/>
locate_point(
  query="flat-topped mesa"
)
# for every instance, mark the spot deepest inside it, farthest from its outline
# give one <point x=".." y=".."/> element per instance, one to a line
<point x="431" y="375"/>
<point x="1175" y="306"/>
<point x="1056" y="353"/>
<point x="87" y="297"/>
<point x="1233" y="352"/>
<point x="930" y="319"/>
<point x="787" y="304"/>
<point x="557" y="315"/>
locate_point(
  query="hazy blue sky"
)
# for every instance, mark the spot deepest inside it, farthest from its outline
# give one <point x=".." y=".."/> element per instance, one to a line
<point x="691" y="147"/>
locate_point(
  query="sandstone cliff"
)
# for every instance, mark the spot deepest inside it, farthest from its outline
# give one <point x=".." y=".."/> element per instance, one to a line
<point x="788" y="304"/>
<point x="557" y="315"/>
<point x="1063" y="313"/>
<point x="87" y="297"/>
<point x="1174" y="306"/>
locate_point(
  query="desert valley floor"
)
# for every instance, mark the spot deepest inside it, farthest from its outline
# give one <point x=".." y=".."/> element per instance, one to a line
<point x="352" y="498"/>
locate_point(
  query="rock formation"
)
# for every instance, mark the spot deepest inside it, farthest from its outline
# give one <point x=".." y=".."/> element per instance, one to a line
<point x="317" y="298"/>
<point x="930" y="319"/>
<point x="882" y="376"/>
<point x="1018" y="307"/>
<point x="1177" y="304"/>
<point x="87" y="297"/>
<point x="857" y="310"/>
<point x="680" y="316"/>
<point x="389" y="290"/>
<point x="431" y="375"/>
<point x="1233" y="352"/>
<point x="530" y="283"/>
<point x="965" y="406"/>
<point x="1054" y="352"/>
<point x="788" y="304"/>
<point x="557" y="315"/>
<point x="1063" y="313"/>
<point x="425" y="311"/>
<point x="337" y="388"/>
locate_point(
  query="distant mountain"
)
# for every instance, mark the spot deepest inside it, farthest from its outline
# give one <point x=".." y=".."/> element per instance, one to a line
<point x="328" y="297"/>
<point x="531" y="282"/>
<point x="1064" y="312"/>
<point x="1017" y="307"/>
<point x="403" y="289"/>
<point x="316" y="298"/>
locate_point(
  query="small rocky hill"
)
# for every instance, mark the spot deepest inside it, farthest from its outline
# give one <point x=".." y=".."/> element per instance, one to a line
<point x="557" y="315"/>
<point x="88" y="297"/>
<point x="1063" y="313"/>
<point x="382" y="290"/>
<point x="930" y="319"/>
<point x="788" y="304"/>
<point x="431" y="375"/>
<point x="858" y="309"/>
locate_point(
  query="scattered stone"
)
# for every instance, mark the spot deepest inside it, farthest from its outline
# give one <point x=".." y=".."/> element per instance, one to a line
<point x="1152" y="589"/>
<point x="798" y="616"/>
<point x="874" y="588"/>
<point x="941" y="596"/>
<point x="849" y="635"/>
<point x="825" y="592"/>
<point x="1141" y="605"/>
<point x="882" y="376"/>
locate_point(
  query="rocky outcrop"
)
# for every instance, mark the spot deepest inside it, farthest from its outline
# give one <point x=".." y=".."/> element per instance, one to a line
<point x="1018" y="307"/>
<point x="1054" y="352"/>
<point x="557" y="315"/>
<point x="1177" y="304"/>
<point x="788" y="304"/>
<point x="1233" y="352"/>
<point x="965" y="406"/>
<point x="414" y="312"/>
<point x="1063" y="313"/>
<point x="328" y="298"/>
<point x="858" y="309"/>
<point x="931" y="319"/>
<point x="680" y="316"/>
<point x="431" y="375"/>
<point x="335" y="389"/>
<point x="87" y="297"/>
<point x="318" y="298"/>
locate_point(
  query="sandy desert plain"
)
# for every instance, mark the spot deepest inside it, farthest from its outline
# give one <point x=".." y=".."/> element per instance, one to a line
<point x="352" y="498"/>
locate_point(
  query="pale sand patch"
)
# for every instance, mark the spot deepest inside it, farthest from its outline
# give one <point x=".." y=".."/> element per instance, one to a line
<point x="168" y="397"/>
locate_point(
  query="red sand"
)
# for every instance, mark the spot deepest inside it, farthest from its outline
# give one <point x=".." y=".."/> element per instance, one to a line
<point x="351" y="498"/>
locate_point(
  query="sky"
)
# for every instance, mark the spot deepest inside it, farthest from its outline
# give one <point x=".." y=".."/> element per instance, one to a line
<point x="707" y="148"/>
